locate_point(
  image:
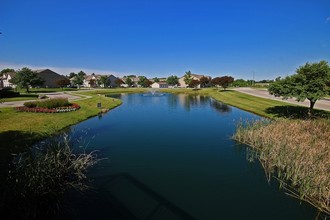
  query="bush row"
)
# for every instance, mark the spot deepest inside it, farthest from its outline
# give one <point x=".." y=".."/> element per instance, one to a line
<point x="72" y="107"/>
<point x="49" y="103"/>
<point x="8" y="93"/>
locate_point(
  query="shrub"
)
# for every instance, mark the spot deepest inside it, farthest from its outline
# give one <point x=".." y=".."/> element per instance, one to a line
<point x="49" y="103"/>
<point x="30" y="104"/>
<point x="8" y="93"/>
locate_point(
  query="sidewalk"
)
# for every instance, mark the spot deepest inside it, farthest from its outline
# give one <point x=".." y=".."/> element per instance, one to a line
<point x="323" y="104"/>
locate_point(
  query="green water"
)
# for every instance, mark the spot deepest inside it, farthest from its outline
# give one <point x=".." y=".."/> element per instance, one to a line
<point x="171" y="157"/>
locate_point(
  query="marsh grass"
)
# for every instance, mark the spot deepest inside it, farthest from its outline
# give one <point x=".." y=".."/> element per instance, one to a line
<point x="38" y="178"/>
<point x="296" y="152"/>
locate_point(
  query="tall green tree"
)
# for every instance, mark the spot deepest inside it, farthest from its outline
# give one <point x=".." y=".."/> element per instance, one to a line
<point x="172" y="80"/>
<point x="7" y="70"/>
<point x="309" y="82"/>
<point x="129" y="82"/>
<point x="156" y="79"/>
<point x="144" y="82"/>
<point x="104" y="80"/>
<point x="79" y="78"/>
<point x="26" y="78"/>
<point x="187" y="77"/>
<point x="72" y="74"/>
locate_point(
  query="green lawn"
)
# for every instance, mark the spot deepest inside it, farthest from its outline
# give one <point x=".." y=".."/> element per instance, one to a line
<point x="24" y="128"/>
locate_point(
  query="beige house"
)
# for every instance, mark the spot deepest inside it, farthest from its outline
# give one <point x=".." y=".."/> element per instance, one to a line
<point x="159" y="85"/>
<point x="91" y="80"/>
<point x="182" y="83"/>
<point x="50" y="78"/>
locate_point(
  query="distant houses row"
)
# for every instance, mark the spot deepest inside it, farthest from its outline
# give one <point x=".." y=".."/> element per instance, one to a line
<point x="52" y="78"/>
<point x="49" y="77"/>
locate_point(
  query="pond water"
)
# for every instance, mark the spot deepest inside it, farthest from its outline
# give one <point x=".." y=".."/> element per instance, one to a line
<point x="171" y="157"/>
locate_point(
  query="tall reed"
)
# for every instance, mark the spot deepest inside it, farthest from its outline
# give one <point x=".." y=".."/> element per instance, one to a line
<point x="37" y="179"/>
<point x="296" y="152"/>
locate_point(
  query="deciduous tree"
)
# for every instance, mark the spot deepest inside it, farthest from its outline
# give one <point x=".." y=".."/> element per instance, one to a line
<point x="194" y="83"/>
<point x="225" y="81"/>
<point x="26" y="78"/>
<point x="172" y="80"/>
<point x="309" y="82"/>
<point x="63" y="82"/>
<point x="187" y="78"/>
<point x="129" y="82"/>
<point x="204" y="81"/>
<point x="104" y="80"/>
<point x="7" y="70"/>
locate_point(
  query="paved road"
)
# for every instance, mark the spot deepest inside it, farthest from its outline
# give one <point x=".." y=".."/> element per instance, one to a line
<point x="69" y="95"/>
<point x="323" y="104"/>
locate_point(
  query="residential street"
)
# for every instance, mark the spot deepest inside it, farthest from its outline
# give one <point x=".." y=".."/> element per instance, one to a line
<point x="323" y="104"/>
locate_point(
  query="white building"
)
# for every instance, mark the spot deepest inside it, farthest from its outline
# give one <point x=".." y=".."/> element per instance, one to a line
<point x="159" y="85"/>
<point x="6" y="77"/>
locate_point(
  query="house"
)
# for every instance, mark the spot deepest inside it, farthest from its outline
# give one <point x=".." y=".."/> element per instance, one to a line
<point x="50" y="78"/>
<point x="134" y="79"/>
<point x="194" y="77"/>
<point x="6" y="77"/>
<point x="114" y="81"/>
<point x="1" y="83"/>
<point x="159" y="85"/>
<point x="91" y="80"/>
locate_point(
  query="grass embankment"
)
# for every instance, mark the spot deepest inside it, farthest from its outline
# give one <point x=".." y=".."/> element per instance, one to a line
<point x="19" y="128"/>
<point x="297" y="152"/>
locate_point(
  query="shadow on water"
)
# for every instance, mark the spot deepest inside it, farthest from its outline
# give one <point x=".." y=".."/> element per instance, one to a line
<point x="295" y="112"/>
<point x="132" y="199"/>
<point x="121" y="196"/>
<point x="13" y="142"/>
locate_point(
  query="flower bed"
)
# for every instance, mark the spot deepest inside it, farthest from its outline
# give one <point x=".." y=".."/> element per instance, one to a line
<point x="70" y="108"/>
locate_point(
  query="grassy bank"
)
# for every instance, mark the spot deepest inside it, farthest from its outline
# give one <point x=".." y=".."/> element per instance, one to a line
<point x="297" y="152"/>
<point x="19" y="128"/>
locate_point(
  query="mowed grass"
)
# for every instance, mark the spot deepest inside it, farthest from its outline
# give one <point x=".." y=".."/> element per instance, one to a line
<point x="24" y="127"/>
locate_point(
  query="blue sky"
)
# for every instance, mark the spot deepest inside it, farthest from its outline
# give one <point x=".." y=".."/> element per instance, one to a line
<point x="160" y="38"/>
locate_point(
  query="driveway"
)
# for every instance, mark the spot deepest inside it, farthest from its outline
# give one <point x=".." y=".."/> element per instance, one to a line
<point x="323" y="104"/>
<point x="68" y="95"/>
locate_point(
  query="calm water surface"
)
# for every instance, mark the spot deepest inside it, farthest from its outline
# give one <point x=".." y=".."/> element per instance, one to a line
<point x="171" y="157"/>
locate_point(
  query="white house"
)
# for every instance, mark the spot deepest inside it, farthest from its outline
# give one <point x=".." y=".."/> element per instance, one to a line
<point x="6" y="77"/>
<point x="159" y="85"/>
